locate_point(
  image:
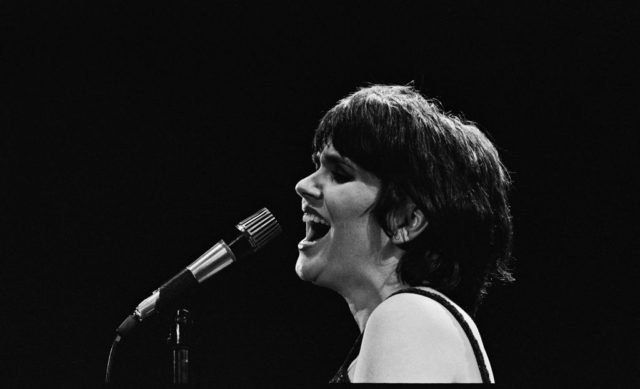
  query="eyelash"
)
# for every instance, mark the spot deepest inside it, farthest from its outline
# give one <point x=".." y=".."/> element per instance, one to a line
<point x="340" y="177"/>
<point x="337" y="175"/>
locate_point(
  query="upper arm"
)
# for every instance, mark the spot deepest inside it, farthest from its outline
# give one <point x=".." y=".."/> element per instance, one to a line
<point x="409" y="338"/>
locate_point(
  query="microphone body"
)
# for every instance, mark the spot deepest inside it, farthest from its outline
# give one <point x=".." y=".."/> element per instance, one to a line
<point x="254" y="232"/>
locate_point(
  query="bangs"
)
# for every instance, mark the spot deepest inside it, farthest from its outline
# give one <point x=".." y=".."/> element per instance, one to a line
<point x="354" y="133"/>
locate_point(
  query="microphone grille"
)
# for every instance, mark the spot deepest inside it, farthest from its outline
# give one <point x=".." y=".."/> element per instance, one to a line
<point x="260" y="228"/>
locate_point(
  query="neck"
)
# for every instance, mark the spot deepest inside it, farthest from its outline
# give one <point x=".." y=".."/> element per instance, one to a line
<point x="364" y="298"/>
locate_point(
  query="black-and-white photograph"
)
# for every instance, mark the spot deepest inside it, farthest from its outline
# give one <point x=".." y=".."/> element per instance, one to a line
<point x="240" y="194"/>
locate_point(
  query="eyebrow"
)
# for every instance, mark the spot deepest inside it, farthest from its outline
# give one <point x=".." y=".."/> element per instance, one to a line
<point x="332" y="159"/>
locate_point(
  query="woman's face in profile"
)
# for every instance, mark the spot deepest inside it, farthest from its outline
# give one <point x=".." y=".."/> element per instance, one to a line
<point x="342" y="236"/>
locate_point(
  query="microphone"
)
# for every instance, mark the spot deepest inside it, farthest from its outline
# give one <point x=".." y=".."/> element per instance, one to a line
<point x="254" y="232"/>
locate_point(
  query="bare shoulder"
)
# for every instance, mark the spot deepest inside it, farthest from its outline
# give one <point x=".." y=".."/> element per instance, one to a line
<point x="412" y="311"/>
<point x="410" y="338"/>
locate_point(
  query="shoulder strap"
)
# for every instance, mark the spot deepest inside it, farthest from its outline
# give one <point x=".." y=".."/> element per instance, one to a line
<point x="342" y="375"/>
<point x="455" y="311"/>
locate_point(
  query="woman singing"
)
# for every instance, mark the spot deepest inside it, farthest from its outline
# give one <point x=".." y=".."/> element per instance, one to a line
<point x="406" y="218"/>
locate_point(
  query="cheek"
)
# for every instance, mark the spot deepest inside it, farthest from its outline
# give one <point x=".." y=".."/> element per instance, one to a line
<point x="351" y="203"/>
<point x="360" y="233"/>
<point x="355" y="231"/>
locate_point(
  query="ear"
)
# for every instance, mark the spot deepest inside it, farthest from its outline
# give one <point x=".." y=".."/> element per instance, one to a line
<point x="409" y="225"/>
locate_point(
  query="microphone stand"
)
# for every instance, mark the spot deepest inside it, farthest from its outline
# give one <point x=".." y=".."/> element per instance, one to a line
<point x="254" y="232"/>
<point x="179" y="342"/>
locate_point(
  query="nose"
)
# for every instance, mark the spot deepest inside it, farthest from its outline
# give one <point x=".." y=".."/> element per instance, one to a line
<point x="308" y="188"/>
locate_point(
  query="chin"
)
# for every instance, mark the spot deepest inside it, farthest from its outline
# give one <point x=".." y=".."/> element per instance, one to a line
<point x="308" y="269"/>
<point x="300" y="269"/>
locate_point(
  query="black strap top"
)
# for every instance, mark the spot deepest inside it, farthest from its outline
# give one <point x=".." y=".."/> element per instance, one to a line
<point x="342" y="375"/>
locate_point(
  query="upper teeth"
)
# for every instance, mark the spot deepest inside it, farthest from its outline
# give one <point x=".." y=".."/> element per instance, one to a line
<point x="308" y="217"/>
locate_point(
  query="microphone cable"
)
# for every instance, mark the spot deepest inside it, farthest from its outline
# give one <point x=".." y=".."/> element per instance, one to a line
<point x="112" y="353"/>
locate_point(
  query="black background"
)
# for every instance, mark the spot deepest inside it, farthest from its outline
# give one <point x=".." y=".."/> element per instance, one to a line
<point x="135" y="135"/>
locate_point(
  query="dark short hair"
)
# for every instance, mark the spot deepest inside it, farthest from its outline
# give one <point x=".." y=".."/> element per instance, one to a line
<point x="448" y="168"/>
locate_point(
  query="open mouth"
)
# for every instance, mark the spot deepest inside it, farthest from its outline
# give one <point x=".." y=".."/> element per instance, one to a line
<point x="316" y="227"/>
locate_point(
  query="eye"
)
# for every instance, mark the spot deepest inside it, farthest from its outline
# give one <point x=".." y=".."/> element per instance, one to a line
<point x="340" y="176"/>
